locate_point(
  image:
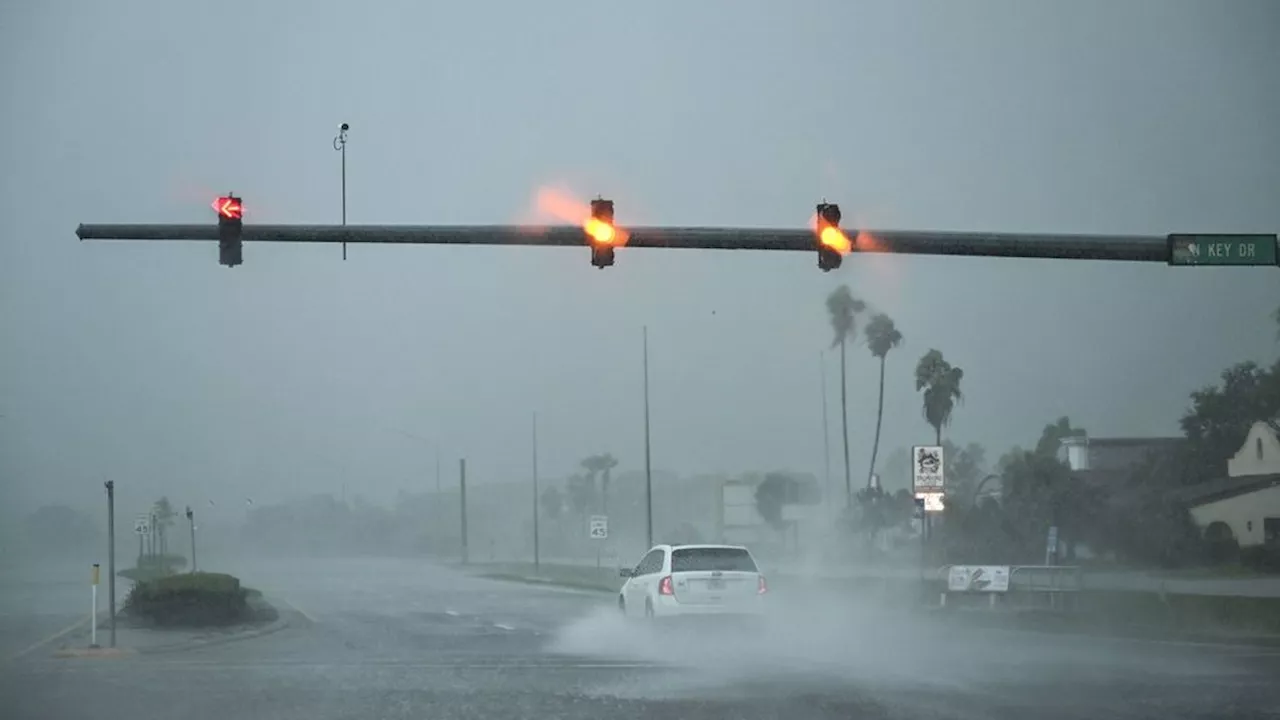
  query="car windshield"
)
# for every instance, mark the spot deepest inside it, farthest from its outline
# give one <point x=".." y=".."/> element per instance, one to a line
<point x="706" y="559"/>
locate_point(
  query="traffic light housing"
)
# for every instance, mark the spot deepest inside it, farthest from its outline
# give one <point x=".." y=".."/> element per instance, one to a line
<point x="230" y="211"/>
<point x="830" y="241"/>
<point x="601" y="234"/>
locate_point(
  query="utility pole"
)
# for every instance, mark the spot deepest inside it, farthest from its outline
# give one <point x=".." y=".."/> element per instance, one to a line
<point x="648" y="468"/>
<point x="340" y="144"/>
<point x="826" y="433"/>
<point x="844" y="413"/>
<point x="111" y="555"/>
<point x="537" y="559"/>
<point x="191" y="520"/>
<point x="462" y="487"/>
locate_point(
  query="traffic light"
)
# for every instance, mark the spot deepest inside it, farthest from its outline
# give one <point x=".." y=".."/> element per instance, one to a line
<point x="230" y="216"/>
<point x="831" y="242"/>
<point x="601" y="234"/>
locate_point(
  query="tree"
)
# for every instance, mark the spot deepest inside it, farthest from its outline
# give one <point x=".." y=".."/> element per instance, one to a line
<point x="843" y="309"/>
<point x="1220" y="418"/>
<point x="940" y="381"/>
<point x="1040" y="492"/>
<point x="776" y="490"/>
<point x="882" y="336"/>
<point x="965" y="468"/>
<point x="1054" y="433"/>
<point x="600" y="466"/>
<point x="582" y="493"/>
<point x="164" y="518"/>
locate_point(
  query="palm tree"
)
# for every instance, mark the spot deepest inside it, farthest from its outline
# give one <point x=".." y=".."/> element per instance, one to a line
<point x="606" y="463"/>
<point x="882" y="336"/>
<point x="940" y="382"/>
<point x="844" y="308"/>
<point x="164" y="515"/>
<point x="600" y="465"/>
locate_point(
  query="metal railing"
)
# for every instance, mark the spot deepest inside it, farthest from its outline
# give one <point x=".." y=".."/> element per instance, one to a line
<point x="1053" y="587"/>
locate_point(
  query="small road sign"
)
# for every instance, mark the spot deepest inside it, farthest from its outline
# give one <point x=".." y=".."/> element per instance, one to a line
<point x="1222" y="250"/>
<point x="598" y="527"/>
<point x="927" y="470"/>
<point x="142" y="525"/>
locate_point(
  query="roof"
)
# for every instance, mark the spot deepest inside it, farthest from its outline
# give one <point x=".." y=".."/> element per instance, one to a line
<point x="1214" y="490"/>
<point x="1140" y="441"/>
<point x="703" y="546"/>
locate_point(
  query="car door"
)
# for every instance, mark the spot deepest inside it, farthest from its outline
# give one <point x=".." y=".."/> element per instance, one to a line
<point x="645" y="576"/>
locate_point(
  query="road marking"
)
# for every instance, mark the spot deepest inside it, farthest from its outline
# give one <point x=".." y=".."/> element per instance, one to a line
<point x="501" y="626"/>
<point x="451" y="613"/>
<point x="52" y="638"/>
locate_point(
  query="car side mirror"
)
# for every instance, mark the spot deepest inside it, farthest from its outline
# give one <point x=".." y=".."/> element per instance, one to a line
<point x="625" y="572"/>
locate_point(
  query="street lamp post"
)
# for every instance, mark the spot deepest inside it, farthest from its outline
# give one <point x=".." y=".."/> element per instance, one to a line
<point x="648" y="468"/>
<point x="191" y="520"/>
<point x="111" y="555"/>
<point x="537" y="559"/>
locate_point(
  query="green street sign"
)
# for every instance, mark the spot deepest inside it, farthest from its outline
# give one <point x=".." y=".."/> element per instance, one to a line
<point x="1223" y="250"/>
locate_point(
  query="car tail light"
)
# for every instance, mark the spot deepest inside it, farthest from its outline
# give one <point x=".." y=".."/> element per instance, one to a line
<point x="664" y="587"/>
<point x="763" y="587"/>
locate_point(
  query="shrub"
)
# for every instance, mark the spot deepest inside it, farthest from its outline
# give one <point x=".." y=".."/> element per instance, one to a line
<point x="194" y="599"/>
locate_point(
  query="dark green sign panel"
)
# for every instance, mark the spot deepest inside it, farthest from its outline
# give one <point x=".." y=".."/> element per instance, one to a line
<point x="1222" y="250"/>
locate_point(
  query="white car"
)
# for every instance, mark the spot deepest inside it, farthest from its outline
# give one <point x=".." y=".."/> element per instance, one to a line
<point x="676" y="580"/>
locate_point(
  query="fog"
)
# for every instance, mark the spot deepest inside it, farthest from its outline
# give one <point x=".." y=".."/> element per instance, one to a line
<point x="300" y="374"/>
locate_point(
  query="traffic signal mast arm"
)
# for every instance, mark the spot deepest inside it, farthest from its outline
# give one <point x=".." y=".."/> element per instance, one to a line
<point x="1133" y="248"/>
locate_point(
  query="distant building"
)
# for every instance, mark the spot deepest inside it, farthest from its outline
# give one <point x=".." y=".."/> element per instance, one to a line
<point x="1112" y="455"/>
<point x="1245" y="505"/>
<point x="1110" y="463"/>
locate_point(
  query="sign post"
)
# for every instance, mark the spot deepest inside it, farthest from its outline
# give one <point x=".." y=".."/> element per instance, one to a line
<point x="93" y="616"/>
<point x="141" y="528"/>
<point x="928" y="483"/>
<point x="598" y="529"/>
<point x="928" y="476"/>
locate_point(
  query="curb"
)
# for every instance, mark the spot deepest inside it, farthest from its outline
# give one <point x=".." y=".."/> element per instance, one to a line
<point x="104" y="617"/>
<point x="551" y="582"/>
<point x="280" y="623"/>
<point x="1131" y="634"/>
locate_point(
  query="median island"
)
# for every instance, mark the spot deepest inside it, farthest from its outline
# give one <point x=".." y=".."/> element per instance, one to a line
<point x="195" y="600"/>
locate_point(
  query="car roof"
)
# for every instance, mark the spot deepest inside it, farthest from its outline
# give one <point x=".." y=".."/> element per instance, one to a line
<point x="706" y="546"/>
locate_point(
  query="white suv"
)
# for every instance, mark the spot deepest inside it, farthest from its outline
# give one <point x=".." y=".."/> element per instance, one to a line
<point x="692" y="580"/>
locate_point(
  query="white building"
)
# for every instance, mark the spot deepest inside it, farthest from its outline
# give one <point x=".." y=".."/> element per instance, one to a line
<point x="1244" y="506"/>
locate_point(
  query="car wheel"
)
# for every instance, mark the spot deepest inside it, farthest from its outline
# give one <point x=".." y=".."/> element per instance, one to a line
<point x="648" y="609"/>
<point x="622" y="606"/>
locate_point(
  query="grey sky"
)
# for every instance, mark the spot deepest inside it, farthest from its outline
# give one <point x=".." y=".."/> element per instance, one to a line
<point x="151" y="364"/>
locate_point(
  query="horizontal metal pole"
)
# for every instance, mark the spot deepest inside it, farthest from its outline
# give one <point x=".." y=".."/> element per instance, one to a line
<point x="1134" y="248"/>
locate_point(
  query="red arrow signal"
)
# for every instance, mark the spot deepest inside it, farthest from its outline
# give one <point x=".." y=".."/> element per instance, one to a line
<point x="229" y="207"/>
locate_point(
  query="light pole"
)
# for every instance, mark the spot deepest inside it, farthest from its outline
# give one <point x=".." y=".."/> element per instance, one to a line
<point x="537" y="559"/>
<point x="340" y="145"/>
<point x="191" y="520"/>
<point x="648" y="468"/>
<point x="826" y="432"/>
<point x="111" y="555"/>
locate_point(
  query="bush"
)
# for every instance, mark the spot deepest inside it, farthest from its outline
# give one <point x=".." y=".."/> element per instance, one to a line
<point x="195" y="599"/>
